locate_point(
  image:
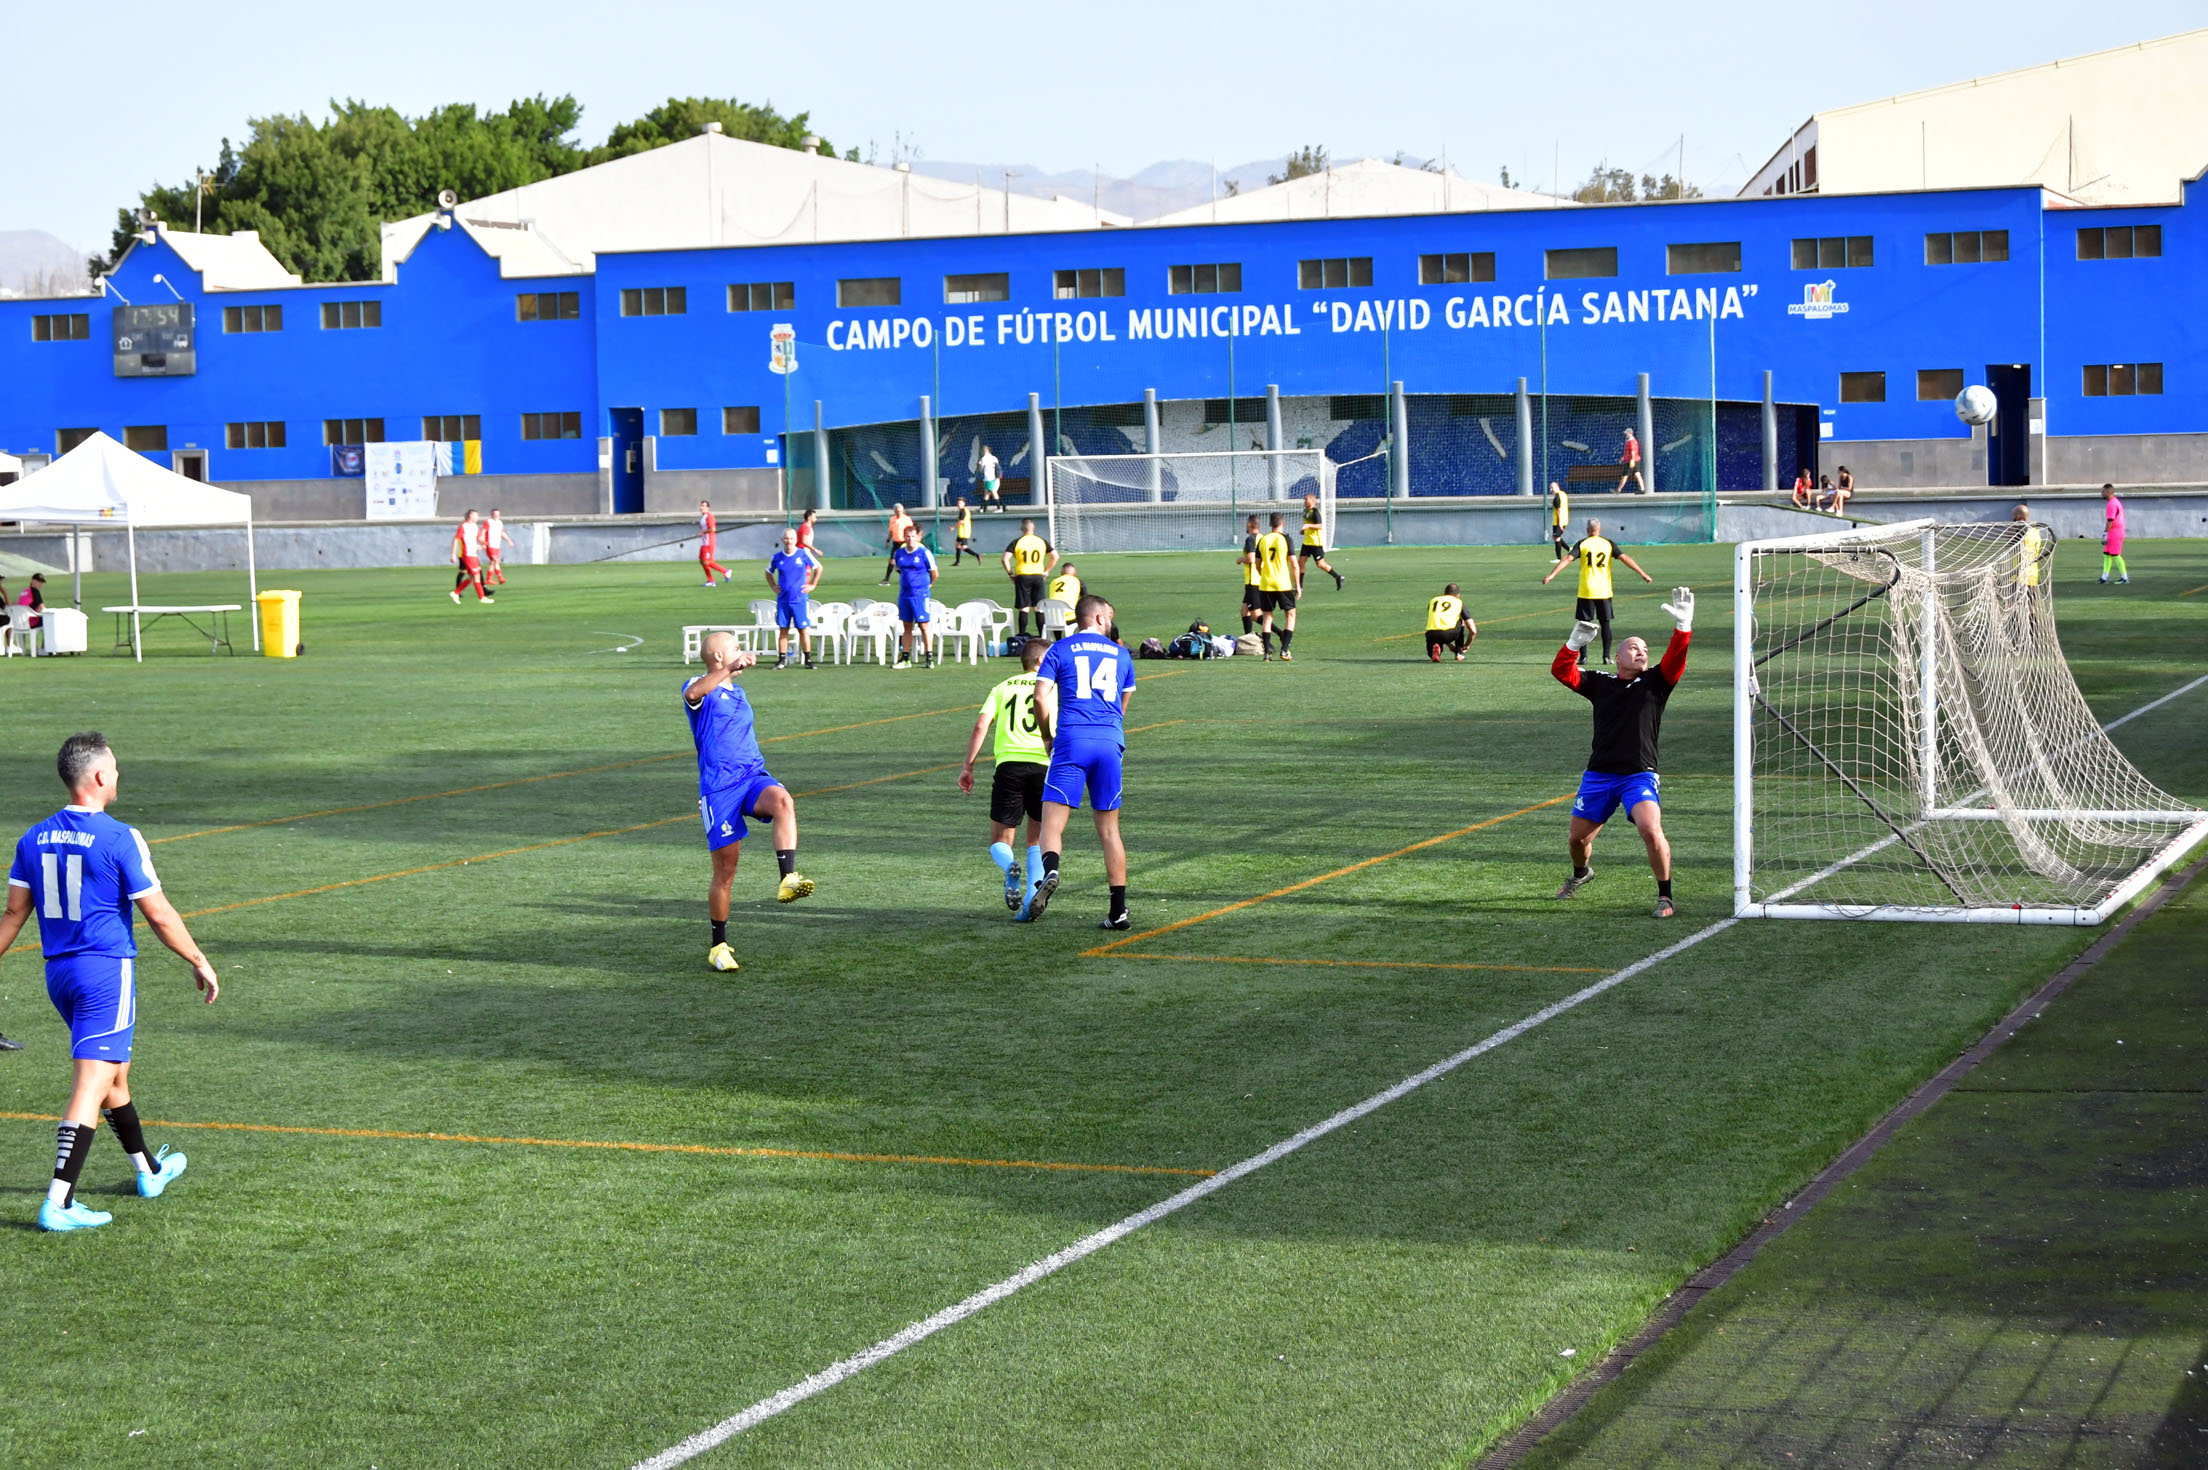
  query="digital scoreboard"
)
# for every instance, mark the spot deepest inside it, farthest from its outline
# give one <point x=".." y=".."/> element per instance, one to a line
<point x="154" y="341"/>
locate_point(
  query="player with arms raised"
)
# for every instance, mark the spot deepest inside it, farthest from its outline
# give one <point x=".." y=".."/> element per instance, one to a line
<point x="733" y="784"/>
<point x="81" y="870"/>
<point x="1621" y="769"/>
<point x="1081" y="692"/>
<point x="1016" y="791"/>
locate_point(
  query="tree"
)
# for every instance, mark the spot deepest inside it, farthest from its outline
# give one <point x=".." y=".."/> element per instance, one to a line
<point x="1606" y="185"/>
<point x="1667" y="188"/>
<point x="1309" y="160"/>
<point x="318" y="192"/>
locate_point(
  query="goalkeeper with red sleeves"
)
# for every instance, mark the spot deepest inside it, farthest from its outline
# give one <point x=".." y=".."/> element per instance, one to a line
<point x="1621" y="770"/>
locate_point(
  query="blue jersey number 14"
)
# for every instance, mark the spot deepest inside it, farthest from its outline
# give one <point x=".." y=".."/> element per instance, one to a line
<point x="1100" y="682"/>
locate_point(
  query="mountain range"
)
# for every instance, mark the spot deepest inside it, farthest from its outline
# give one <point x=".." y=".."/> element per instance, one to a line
<point x="34" y="263"/>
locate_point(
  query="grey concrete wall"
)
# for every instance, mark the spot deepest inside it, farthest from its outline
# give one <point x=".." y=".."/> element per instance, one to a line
<point x="2128" y="459"/>
<point x="2062" y="460"/>
<point x="1907" y="463"/>
<point x="668" y="492"/>
<point x="342" y="499"/>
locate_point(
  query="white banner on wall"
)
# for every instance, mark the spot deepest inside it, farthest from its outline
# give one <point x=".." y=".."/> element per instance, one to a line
<point x="402" y="480"/>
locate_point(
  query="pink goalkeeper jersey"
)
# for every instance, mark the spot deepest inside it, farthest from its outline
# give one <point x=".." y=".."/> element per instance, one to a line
<point x="2114" y="542"/>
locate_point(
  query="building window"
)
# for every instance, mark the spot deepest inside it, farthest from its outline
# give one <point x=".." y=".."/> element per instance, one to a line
<point x="1339" y="273"/>
<point x="1862" y="387"/>
<point x="1109" y="280"/>
<point x="1356" y="407"/>
<point x="2119" y="242"/>
<point x="871" y="291"/>
<point x="1234" y="410"/>
<point x="763" y="296"/>
<point x="1715" y="258"/>
<point x="1939" y="385"/>
<point x="1203" y="280"/>
<point x="1456" y="270"/>
<point x="655" y="301"/>
<point x="262" y="435"/>
<point x="740" y="420"/>
<point x="68" y="439"/>
<point x="551" y="426"/>
<point x="75" y="326"/>
<point x="985" y="286"/>
<point x="452" y="428"/>
<point x="674" y="423"/>
<point x="2122" y="379"/>
<point x="1833" y="253"/>
<point x="352" y="431"/>
<point x="144" y="437"/>
<point x="252" y="319"/>
<point x="1573" y="265"/>
<point x="1967" y="247"/>
<point x="548" y="306"/>
<point x="344" y="315"/>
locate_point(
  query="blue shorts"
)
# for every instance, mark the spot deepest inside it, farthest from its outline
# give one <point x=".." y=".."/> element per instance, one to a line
<point x="1601" y="795"/>
<point x="724" y="811"/>
<point x="789" y="612"/>
<point x="98" y="997"/>
<point x="911" y="609"/>
<point x="1073" y="766"/>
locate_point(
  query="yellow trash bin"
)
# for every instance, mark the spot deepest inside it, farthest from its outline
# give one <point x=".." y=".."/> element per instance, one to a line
<point x="279" y="623"/>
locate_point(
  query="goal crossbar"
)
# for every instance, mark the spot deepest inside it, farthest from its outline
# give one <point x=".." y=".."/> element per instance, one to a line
<point x="1155" y="502"/>
<point x="1906" y="679"/>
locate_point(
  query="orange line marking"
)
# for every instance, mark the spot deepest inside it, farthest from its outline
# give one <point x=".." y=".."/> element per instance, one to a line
<point x="1236" y="959"/>
<point x="2203" y="587"/>
<point x="370" y="806"/>
<point x="1356" y="867"/>
<point x="661" y="1148"/>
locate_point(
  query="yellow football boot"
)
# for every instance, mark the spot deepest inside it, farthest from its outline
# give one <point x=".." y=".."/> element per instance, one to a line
<point x="793" y="888"/>
<point x="720" y="957"/>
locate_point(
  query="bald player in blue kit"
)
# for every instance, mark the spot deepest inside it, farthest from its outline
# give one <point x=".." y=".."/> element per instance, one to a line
<point x="80" y="871"/>
<point x="733" y="784"/>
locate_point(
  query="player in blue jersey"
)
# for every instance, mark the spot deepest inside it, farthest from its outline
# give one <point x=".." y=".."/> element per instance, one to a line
<point x="1081" y="694"/>
<point x="793" y="573"/>
<point x="916" y="574"/>
<point x="733" y="784"/>
<point x="80" y="870"/>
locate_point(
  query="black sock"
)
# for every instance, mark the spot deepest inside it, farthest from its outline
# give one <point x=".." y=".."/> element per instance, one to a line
<point x="1050" y="861"/>
<point x="1663" y="888"/>
<point x="1249" y="624"/>
<point x="1581" y="870"/>
<point x="72" y="1142"/>
<point x="1285" y="635"/>
<point x="128" y="1133"/>
<point x="1265" y="638"/>
<point x="1119" y="899"/>
<point x="720" y="931"/>
<point x="786" y="859"/>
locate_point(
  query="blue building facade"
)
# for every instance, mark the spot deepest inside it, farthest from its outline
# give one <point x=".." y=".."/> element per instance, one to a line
<point x="658" y="378"/>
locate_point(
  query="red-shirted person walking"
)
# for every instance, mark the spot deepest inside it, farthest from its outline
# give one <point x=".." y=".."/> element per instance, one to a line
<point x="708" y="530"/>
<point x="467" y="554"/>
<point x="495" y="541"/>
<point x="1621" y="769"/>
<point x="1632" y="464"/>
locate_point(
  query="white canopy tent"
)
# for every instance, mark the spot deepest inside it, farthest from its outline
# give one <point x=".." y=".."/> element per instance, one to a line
<point x="100" y="483"/>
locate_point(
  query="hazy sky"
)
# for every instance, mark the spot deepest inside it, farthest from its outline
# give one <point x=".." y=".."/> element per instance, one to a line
<point x="102" y="101"/>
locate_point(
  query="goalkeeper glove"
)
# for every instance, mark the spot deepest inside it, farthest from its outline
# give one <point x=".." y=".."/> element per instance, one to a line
<point x="1582" y="635"/>
<point x="1681" y="608"/>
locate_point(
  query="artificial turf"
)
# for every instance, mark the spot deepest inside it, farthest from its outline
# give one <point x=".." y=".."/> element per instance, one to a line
<point x="1402" y="1291"/>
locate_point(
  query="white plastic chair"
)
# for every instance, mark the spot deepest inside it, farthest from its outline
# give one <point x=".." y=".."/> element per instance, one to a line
<point x="943" y="626"/>
<point x="20" y="631"/>
<point x="693" y="637"/>
<point x="873" y="629"/>
<point x="832" y="630"/>
<point x="1057" y="618"/>
<point x="760" y="635"/>
<point x="969" y="622"/>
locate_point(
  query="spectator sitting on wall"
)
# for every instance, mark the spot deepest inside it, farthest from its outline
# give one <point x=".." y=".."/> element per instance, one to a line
<point x="1842" y="490"/>
<point x="1805" y="491"/>
<point x="1824" y="490"/>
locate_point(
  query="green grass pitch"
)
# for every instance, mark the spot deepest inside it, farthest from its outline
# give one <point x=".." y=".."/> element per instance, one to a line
<point x="448" y="866"/>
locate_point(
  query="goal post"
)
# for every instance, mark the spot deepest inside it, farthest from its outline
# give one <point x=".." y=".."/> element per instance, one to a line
<point x="1168" y="502"/>
<point x="1909" y="744"/>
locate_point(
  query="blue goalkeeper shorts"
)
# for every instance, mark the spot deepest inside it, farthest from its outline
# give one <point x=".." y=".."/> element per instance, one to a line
<point x="1601" y="795"/>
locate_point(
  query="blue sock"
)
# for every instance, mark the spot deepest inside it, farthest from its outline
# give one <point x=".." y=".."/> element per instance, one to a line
<point x="1034" y="865"/>
<point x="1000" y="853"/>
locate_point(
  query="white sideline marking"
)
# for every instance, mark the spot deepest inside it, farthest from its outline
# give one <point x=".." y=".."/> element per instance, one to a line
<point x="2157" y="704"/>
<point x="835" y="1373"/>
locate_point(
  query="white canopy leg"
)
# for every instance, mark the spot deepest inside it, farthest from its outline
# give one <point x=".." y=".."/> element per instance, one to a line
<point x="252" y="585"/>
<point x="137" y="641"/>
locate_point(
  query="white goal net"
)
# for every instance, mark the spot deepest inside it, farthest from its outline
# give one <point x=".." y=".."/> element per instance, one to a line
<point x="1909" y="742"/>
<point x="1169" y="502"/>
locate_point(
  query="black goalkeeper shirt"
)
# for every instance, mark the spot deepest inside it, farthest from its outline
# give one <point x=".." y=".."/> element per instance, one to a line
<point x="1629" y="713"/>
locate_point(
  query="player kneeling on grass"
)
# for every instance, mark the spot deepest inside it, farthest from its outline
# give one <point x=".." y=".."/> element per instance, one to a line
<point x="1621" y="770"/>
<point x="81" y="870"/>
<point x="1447" y="626"/>
<point x="1081" y="691"/>
<point x="733" y="784"/>
<point x="1016" y="791"/>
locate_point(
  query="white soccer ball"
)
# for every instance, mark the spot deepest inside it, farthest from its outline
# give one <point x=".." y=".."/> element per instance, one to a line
<point x="1976" y="405"/>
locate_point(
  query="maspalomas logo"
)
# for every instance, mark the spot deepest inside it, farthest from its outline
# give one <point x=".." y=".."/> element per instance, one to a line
<point x="1817" y="303"/>
<point x="783" y="353"/>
